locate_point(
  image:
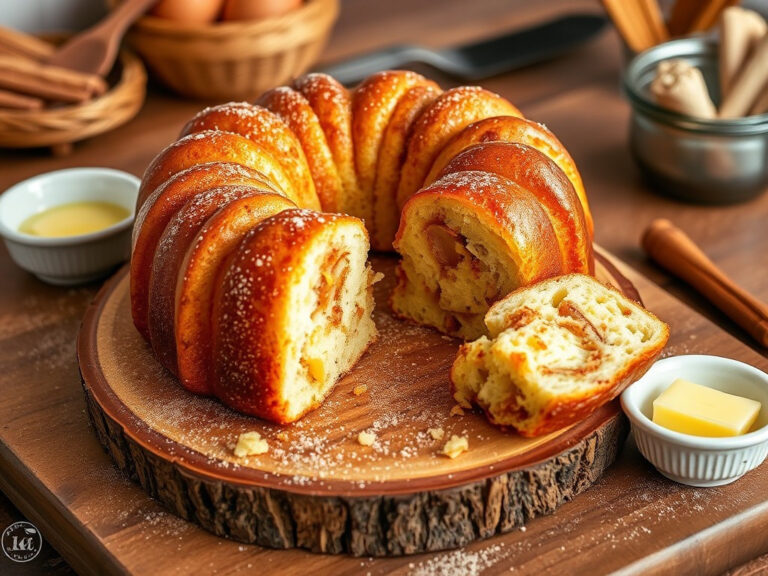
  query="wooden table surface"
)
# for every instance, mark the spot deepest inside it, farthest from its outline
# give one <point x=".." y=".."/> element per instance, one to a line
<point x="577" y="96"/>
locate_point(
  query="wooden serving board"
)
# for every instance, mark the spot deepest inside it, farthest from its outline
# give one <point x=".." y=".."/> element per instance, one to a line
<point x="317" y="487"/>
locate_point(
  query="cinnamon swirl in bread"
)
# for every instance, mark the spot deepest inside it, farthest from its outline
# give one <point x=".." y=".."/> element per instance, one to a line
<point x="294" y="304"/>
<point x="557" y="351"/>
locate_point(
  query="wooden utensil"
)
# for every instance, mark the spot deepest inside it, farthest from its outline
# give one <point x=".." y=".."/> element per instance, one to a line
<point x="95" y="50"/>
<point x="671" y="248"/>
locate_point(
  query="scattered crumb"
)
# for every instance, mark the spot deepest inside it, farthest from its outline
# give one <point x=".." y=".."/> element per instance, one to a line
<point x="366" y="438"/>
<point x="282" y="436"/>
<point x="436" y="433"/>
<point x="456" y="446"/>
<point x="361" y="389"/>
<point x="457" y="411"/>
<point x="250" y="444"/>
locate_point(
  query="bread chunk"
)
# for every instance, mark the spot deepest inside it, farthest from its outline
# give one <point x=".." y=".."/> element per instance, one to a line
<point x="557" y="351"/>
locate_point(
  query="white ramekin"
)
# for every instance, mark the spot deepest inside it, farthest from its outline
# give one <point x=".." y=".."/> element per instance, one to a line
<point x="73" y="259"/>
<point x="696" y="460"/>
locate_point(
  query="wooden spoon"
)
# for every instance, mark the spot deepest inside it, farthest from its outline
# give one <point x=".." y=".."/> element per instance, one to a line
<point x="677" y="253"/>
<point x="94" y="51"/>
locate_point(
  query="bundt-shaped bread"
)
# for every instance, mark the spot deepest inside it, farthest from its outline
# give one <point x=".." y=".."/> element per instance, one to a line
<point x="558" y="350"/>
<point x="466" y="241"/>
<point x="296" y="299"/>
<point x="247" y="292"/>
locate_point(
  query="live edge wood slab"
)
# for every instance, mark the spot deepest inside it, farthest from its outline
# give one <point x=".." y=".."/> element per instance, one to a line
<point x="318" y="488"/>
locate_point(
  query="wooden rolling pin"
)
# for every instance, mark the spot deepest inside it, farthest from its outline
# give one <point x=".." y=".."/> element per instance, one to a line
<point x="672" y="249"/>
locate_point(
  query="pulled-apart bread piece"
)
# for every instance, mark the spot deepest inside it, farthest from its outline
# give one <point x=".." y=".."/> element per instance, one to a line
<point x="293" y="310"/>
<point x="467" y="241"/>
<point x="559" y="349"/>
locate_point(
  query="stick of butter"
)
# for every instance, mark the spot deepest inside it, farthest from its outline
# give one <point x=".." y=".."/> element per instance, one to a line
<point x="701" y="411"/>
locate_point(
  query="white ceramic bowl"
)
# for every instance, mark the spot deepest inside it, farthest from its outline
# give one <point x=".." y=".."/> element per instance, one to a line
<point x="73" y="259"/>
<point x="696" y="460"/>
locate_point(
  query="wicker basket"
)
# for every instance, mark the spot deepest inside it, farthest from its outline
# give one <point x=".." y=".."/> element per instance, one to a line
<point x="63" y="125"/>
<point x="235" y="59"/>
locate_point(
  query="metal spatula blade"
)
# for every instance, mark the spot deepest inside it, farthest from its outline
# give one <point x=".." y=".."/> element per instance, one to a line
<point x="482" y="59"/>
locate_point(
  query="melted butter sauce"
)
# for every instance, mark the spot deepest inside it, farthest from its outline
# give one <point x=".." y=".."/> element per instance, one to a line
<point x="74" y="219"/>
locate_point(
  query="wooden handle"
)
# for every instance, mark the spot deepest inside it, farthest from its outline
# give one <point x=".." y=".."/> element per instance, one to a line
<point x="671" y="248"/>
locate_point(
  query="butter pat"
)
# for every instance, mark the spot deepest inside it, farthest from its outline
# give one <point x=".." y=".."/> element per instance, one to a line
<point x="694" y="409"/>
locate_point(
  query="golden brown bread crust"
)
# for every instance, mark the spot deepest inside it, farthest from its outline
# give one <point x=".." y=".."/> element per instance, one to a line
<point x="296" y="112"/>
<point x="218" y="238"/>
<point x="365" y="153"/>
<point x="252" y="302"/>
<point x="532" y="170"/>
<point x="167" y="265"/>
<point x="158" y="209"/>
<point x="332" y="105"/>
<point x="373" y="102"/>
<point x="522" y="131"/>
<point x="211" y="146"/>
<point x="265" y="128"/>
<point x="394" y="143"/>
<point x="510" y="211"/>
<point x="448" y="115"/>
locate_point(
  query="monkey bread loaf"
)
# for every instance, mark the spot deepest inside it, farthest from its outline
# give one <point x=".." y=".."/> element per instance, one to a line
<point x="249" y="273"/>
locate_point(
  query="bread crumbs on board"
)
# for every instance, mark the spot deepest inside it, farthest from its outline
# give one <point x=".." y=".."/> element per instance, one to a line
<point x="251" y="444"/>
<point x="456" y="446"/>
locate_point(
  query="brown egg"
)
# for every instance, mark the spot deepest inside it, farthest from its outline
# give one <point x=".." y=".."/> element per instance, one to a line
<point x="255" y="9"/>
<point x="190" y="11"/>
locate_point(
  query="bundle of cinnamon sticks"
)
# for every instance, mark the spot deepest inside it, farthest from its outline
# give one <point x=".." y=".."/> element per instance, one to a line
<point x="642" y="25"/>
<point x="27" y="83"/>
<point x="743" y="71"/>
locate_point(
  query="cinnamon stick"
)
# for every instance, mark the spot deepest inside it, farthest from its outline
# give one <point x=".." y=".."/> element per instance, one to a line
<point x="682" y="16"/>
<point x="54" y="74"/>
<point x="761" y="106"/>
<point x="35" y="86"/>
<point x="680" y="86"/>
<point x="740" y="31"/>
<point x="654" y="20"/>
<point x="671" y="248"/>
<point x="620" y="12"/>
<point x="708" y="14"/>
<point x="18" y="101"/>
<point x="18" y="43"/>
<point x="746" y="89"/>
